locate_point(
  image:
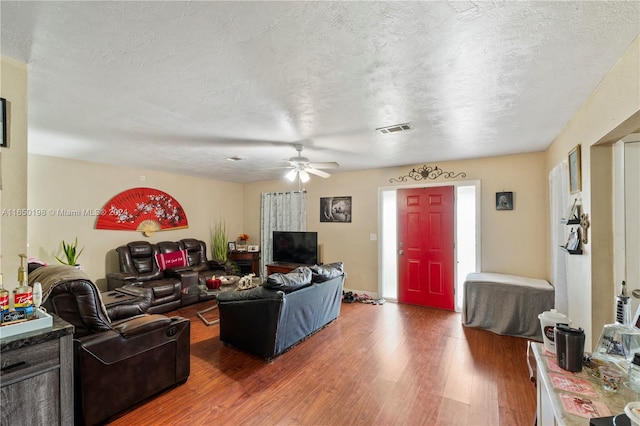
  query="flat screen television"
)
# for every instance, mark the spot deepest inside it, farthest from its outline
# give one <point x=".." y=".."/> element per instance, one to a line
<point x="295" y="247"/>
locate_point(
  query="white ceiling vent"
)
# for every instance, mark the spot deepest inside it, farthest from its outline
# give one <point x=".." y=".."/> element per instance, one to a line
<point x="393" y="129"/>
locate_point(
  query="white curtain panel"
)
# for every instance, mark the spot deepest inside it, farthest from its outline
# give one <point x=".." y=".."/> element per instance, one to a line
<point x="280" y="211"/>
<point x="559" y="205"/>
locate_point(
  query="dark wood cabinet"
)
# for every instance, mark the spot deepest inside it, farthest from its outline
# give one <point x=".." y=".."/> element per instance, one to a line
<point x="282" y="268"/>
<point x="37" y="377"/>
<point x="247" y="261"/>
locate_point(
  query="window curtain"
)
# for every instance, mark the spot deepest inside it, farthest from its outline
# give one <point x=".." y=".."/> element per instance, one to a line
<point x="280" y="211"/>
<point x="558" y="206"/>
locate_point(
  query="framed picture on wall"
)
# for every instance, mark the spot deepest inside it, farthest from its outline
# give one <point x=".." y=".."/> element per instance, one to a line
<point x="3" y="122"/>
<point x="575" y="171"/>
<point x="335" y="209"/>
<point x="504" y="200"/>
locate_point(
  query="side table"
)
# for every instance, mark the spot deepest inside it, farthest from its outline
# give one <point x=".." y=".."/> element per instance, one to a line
<point x="247" y="261"/>
<point x="215" y="293"/>
<point x="36" y="380"/>
<point x="229" y="287"/>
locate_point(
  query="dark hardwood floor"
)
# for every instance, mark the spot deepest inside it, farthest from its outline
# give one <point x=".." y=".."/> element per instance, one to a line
<point x="375" y="365"/>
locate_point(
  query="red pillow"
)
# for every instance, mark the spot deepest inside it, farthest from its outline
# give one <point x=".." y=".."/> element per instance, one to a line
<point x="175" y="259"/>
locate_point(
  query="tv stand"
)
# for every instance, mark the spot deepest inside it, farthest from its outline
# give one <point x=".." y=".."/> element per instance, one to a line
<point x="282" y="267"/>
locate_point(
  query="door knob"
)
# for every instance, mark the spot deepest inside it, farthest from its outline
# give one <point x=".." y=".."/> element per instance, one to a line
<point x="400" y="252"/>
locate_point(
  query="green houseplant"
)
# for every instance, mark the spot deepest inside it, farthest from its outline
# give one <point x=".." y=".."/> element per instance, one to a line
<point x="71" y="253"/>
<point x="219" y="242"/>
<point x="220" y="247"/>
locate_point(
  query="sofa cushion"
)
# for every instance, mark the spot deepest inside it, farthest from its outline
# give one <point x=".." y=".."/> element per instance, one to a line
<point x="294" y="280"/>
<point x="256" y="293"/>
<point x="326" y="272"/>
<point x="174" y="259"/>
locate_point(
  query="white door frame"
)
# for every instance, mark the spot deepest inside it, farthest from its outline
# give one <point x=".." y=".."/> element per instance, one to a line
<point x="381" y="242"/>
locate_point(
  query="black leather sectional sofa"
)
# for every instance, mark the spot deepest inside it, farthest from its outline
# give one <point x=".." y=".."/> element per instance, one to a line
<point x="285" y="310"/>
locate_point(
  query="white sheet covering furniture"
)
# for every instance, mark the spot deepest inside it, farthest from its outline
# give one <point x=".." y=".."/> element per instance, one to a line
<point x="506" y="304"/>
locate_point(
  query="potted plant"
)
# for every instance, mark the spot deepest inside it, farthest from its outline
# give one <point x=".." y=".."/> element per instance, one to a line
<point x="220" y="248"/>
<point x="71" y="253"/>
<point x="219" y="242"/>
<point x="241" y="243"/>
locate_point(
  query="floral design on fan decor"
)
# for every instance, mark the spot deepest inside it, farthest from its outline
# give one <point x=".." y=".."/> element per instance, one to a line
<point x="142" y="209"/>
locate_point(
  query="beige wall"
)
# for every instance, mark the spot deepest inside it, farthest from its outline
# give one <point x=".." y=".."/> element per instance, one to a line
<point x="513" y="242"/>
<point x="56" y="183"/>
<point x="610" y="113"/>
<point x="13" y="169"/>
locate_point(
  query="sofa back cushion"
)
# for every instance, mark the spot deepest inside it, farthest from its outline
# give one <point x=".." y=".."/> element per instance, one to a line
<point x="196" y="252"/>
<point x="138" y="257"/>
<point x="294" y="280"/>
<point x="142" y="255"/>
<point x="321" y="273"/>
<point x="168" y="246"/>
<point x="79" y="303"/>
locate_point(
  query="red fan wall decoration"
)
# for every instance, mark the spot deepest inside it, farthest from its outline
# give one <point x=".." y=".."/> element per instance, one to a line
<point x="142" y="209"/>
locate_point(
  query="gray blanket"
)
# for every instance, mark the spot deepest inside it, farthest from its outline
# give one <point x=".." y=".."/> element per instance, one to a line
<point x="506" y="304"/>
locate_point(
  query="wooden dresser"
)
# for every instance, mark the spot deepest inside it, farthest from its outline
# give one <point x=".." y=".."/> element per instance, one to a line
<point x="36" y="379"/>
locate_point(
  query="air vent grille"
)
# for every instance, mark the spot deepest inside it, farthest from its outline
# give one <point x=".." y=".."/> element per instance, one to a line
<point x="394" y="128"/>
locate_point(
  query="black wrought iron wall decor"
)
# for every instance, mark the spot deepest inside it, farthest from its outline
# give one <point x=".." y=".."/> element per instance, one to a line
<point x="427" y="173"/>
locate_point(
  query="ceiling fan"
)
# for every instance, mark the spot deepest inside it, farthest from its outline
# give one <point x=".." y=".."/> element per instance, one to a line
<point x="301" y="166"/>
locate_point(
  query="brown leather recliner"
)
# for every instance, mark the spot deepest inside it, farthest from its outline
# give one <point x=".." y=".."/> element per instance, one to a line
<point x="197" y="254"/>
<point x="204" y="269"/>
<point x="138" y="267"/>
<point x="117" y="364"/>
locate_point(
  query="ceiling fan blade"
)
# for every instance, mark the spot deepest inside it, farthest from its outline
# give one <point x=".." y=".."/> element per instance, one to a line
<point x="325" y="165"/>
<point x="317" y="172"/>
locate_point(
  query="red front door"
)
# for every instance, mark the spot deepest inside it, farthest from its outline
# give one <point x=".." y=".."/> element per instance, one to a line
<point x="425" y="246"/>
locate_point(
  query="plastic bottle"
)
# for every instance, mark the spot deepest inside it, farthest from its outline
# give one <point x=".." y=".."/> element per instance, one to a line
<point x="634" y="370"/>
<point x="4" y="299"/>
<point x="37" y="297"/>
<point x="23" y="295"/>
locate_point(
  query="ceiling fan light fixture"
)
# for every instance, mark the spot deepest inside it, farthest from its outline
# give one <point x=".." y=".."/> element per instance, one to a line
<point x="291" y="175"/>
<point x="304" y="176"/>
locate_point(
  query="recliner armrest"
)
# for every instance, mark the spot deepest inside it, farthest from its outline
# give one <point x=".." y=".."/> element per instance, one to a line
<point x="177" y="272"/>
<point x="119" y="279"/>
<point x="142" y="325"/>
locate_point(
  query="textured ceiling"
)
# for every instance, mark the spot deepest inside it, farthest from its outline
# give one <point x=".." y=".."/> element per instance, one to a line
<point x="181" y="86"/>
